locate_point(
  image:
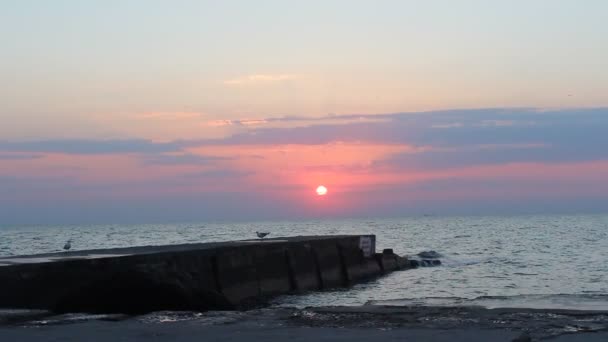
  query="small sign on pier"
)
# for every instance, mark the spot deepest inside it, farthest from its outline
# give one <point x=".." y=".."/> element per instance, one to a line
<point x="368" y="245"/>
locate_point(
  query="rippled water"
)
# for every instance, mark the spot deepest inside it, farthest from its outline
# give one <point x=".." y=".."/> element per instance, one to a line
<point x="537" y="261"/>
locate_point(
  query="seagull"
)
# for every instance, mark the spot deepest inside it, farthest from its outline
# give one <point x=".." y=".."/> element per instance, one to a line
<point x="261" y="235"/>
<point x="68" y="245"/>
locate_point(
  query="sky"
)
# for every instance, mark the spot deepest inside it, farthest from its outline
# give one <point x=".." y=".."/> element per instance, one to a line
<point x="145" y="111"/>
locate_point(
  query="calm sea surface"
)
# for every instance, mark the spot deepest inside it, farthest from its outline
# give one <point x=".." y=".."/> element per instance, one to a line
<point x="521" y="261"/>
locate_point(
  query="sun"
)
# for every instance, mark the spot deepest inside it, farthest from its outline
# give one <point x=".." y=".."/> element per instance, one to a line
<point x="321" y="190"/>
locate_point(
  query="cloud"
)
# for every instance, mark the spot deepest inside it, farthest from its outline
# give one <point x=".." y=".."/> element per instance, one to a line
<point x="83" y="146"/>
<point x="497" y="123"/>
<point x="243" y="122"/>
<point x="384" y="163"/>
<point x="260" y="79"/>
<point x="168" y="116"/>
<point x="467" y="156"/>
<point x="220" y="174"/>
<point x="220" y="123"/>
<point x="181" y="159"/>
<point x="302" y="120"/>
<point x="19" y="156"/>
<point x="468" y="137"/>
<point x="448" y="125"/>
<point x="252" y="122"/>
<point x="43" y="187"/>
<point x="481" y="136"/>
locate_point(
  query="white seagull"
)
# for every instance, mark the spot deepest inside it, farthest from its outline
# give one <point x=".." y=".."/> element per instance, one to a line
<point x="261" y="235"/>
<point x="68" y="245"/>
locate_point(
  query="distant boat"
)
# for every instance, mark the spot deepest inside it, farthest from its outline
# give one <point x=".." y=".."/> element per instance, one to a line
<point x="262" y="235"/>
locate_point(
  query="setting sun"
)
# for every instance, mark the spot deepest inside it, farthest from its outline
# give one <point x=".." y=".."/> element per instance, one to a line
<point x="321" y="190"/>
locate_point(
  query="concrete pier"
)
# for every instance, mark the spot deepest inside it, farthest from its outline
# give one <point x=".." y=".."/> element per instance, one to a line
<point x="209" y="276"/>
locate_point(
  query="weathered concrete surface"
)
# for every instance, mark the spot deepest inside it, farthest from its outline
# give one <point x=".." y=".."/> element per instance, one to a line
<point x="188" y="277"/>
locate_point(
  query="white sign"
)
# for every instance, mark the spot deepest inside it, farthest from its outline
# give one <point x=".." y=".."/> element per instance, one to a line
<point x="367" y="246"/>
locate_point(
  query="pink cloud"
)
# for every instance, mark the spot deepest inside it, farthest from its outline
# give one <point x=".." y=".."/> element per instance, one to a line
<point x="168" y="116"/>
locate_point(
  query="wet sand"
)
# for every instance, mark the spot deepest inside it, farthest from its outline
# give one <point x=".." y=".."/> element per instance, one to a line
<point x="362" y="323"/>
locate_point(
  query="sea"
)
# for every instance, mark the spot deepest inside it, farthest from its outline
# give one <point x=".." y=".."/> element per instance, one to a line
<point x="534" y="261"/>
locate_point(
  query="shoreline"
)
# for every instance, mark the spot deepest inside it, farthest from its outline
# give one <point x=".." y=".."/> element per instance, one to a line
<point x="357" y="323"/>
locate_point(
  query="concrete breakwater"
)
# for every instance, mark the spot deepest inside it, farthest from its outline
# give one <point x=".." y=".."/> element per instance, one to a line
<point x="209" y="276"/>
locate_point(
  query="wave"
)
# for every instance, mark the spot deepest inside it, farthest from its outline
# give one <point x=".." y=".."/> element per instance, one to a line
<point x="432" y="258"/>
<point x="524" y="301"/>
<point x="429" y="255"/>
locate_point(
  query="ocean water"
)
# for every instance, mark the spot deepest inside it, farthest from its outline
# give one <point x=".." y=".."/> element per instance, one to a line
<point x="548" y="261"/>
